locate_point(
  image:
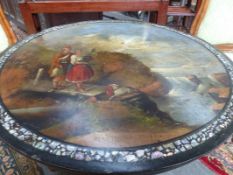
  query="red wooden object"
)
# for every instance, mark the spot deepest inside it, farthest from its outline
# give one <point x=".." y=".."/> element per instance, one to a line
<point x="30" y="8"/>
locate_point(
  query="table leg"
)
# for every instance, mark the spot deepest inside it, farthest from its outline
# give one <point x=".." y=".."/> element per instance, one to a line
<point x="29" y="19"/>
<point x="162" y="13"/>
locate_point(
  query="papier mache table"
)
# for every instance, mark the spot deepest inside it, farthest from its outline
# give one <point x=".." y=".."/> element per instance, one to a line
<point x="114" y="97"/>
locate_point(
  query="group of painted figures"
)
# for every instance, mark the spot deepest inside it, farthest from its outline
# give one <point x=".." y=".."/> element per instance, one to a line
<point x="75" y="68"/>
<point x="70" y="67"/>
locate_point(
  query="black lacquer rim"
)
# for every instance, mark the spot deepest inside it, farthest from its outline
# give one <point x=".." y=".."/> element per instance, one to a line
<point x="170" y="153"/>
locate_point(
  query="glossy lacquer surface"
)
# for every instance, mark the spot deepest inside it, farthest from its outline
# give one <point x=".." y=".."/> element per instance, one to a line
<point x="109" y="93"/>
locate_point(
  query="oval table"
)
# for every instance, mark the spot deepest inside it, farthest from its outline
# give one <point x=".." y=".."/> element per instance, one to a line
<point x="114" y="97"/>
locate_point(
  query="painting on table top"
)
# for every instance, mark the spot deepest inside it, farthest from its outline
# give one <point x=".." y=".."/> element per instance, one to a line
<point x="113" y="84"/>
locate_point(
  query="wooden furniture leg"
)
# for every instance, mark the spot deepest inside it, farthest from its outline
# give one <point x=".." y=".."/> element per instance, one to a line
<point x="199" y="2"/>
<point x="162" y="13"/>
<point x="7" y="28"/>
<point x="29" y="20"/>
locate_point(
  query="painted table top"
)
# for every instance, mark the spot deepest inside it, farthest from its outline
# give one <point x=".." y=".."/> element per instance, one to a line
<point x="114" y="97"/>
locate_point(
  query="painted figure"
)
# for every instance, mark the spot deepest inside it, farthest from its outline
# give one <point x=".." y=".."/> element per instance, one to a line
<point x="80" y="71"/>
<point x="114" y="90"/>
<point x="59" y="66"/>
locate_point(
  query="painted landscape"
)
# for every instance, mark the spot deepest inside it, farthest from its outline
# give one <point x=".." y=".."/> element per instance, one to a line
<point x="104" y="85"/>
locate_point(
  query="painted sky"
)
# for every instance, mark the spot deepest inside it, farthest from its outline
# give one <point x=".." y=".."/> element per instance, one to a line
<point x="159" y="49"/>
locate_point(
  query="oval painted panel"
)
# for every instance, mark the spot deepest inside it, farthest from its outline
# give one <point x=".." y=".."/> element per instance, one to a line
<point x="113" y="85"/>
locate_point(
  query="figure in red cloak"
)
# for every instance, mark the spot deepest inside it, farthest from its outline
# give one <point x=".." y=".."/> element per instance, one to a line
<point x="80" y="71"/>
<point x="59" y="67"/>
